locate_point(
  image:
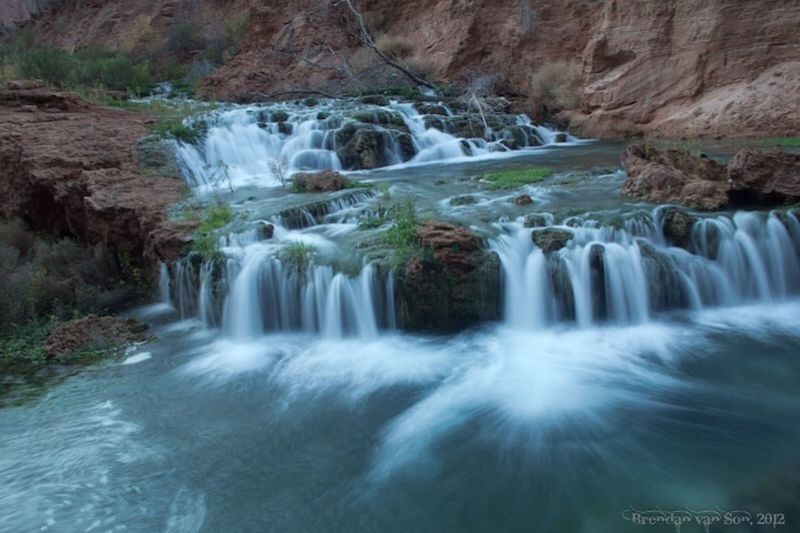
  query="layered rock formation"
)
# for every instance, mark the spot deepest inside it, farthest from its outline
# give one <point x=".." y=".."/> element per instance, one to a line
<point x="668" y="68"/>
<point x="71" y="169"/>
<point x="751" y="178"/>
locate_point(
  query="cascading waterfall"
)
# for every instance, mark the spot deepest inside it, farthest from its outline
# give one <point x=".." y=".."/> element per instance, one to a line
<point x="264" y="145"/>
<point x="624" y="275"/>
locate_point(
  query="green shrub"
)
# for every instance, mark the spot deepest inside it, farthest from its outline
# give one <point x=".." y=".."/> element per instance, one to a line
<point x="205" y="238"/>
<point x="42" y="278"/>
<point x="297" y="254"/>
<point x="186" y="37"/>
<point x="175" y="128"/>
<point x="51" y="65"/>
<point x="557" y="85"/>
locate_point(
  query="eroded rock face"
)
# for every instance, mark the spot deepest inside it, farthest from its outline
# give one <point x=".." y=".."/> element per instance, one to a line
<point x="764" y="177"/>
<point x="674" y="176"/>
<point x="71" y="169"/>
<point x="325" y="181"/>
<point x="751" y="178"/>
<point x="451" y="284"/>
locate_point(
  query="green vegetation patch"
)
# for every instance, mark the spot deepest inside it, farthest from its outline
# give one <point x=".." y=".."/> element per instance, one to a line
<point x="790" y="142"/>
<point x="511" y="179"/>
<point x="297" y="254"/>
<point x="211" y="219"/>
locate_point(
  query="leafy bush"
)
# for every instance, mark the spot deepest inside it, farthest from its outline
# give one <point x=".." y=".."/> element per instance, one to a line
<point x="557" y="85"/>
<point x="175" y="128"/>
<point x="297" y="254"/>
<point x="213" y="218"/>
<point x="186" y="37"/>
<point x="51" y="65"/>
<point x="395" y="46"/>
<point x="42" y="278"/>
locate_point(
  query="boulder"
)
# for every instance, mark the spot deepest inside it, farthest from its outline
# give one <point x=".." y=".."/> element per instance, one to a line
<point x="674" y="176"/>
<point x="677" y="226"/>
<point x="324" y="181"/>
<point x="551" y="239"/>
<point x="560" y="137"/>
<point x="769" y="177"/>
<point x="362" y="147"/>
<point x="265" y="230"/>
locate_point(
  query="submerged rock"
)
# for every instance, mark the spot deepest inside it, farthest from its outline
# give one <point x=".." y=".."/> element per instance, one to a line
<point x="324" y="181"/>
<point x="551" y="239"/>
<point x="466" y="199"/>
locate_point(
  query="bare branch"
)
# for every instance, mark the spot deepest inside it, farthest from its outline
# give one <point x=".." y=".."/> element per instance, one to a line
<point x="367" y="40"/>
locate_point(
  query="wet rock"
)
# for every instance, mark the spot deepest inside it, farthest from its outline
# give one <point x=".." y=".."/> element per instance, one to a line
<point x="374" y="99"/>
<point x="764" y="178"/>
<point x="91" y="334"/>
<point x="429" y="108"/>
<point x="677" y="226"/>
<point x="279" y="116"/>
<point x="285" y="128"/>
<point x="674" y="176"/>
<point x="551" y="239"/>
<point x="665" y="290"/>
<point x="560" y="137"/>
<point x="597" y="272"/>
<point x="450" y="283"/>
<point x="362" y="147"/>
<point x="157" y="157"/>
<point x="523" y="199"/>
<point x="466" y="199"/>
<point x="537" y="220"/>
<point x="323" y="115"/>
<point x="514" y="138"/>
<point x="265" y="231"/>
<point x="406" y="144"/>
<point x="324" y="181"/>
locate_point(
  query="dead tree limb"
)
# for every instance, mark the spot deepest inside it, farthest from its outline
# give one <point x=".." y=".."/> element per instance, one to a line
<point x="367" y="40"/>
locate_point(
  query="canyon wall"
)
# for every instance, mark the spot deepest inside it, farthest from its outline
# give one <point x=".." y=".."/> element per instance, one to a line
<point x="659" y="67"/>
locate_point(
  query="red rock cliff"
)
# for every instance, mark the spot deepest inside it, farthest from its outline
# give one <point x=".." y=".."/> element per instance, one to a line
<point x="662" y="67"/>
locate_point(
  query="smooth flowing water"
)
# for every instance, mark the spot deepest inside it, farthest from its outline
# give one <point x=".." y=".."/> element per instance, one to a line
<point x="626" y="374"/>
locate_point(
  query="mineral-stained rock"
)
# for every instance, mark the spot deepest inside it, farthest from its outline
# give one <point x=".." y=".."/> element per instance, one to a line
<point x="451" y="283"/>
<point x="764" y="177"/>
<point x="71" y="169"/>
<point x="674" y="176"/>
<point x="324" y="181"/>
<point x="752" y="178"/>
<point x="362" y="146"/>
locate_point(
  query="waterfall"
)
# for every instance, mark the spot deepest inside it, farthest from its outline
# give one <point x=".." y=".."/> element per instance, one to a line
<point x="164" y="296"/>
<point x="264" y="144"/>
<point x="625" y="274"/>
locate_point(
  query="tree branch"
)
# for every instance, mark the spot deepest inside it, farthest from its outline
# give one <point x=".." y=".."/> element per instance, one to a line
<point x="366" y="39"/>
